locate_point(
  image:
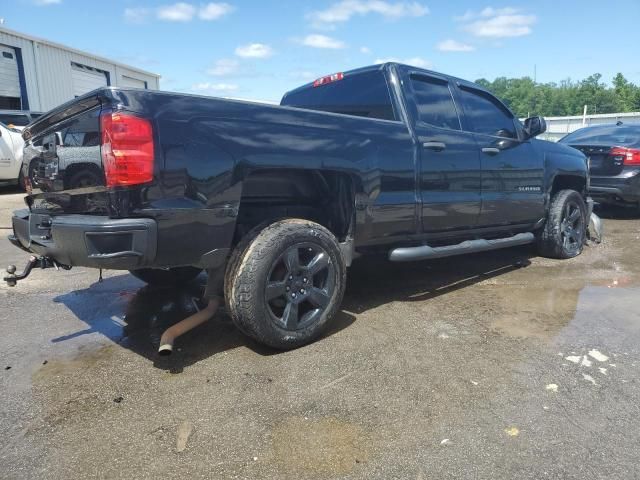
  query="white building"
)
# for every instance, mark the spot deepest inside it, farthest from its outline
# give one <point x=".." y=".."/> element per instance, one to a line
<point x="39" y="75"/>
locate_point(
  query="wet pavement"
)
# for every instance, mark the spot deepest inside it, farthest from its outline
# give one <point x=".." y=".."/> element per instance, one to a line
<point x="497" y="365"/>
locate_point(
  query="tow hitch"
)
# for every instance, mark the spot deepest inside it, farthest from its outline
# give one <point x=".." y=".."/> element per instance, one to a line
<point x="34" y="262"/>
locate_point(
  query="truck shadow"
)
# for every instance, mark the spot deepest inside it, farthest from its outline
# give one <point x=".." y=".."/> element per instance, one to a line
<point x="135" y="316"/>
<point x="615" y="212"/>
<point x="374" y="281"/>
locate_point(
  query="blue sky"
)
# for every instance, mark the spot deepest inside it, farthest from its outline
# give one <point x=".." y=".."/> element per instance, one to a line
<point x="260" y="49"/>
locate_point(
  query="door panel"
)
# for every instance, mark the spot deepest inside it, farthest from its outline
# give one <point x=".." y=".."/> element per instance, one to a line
<point x="449" y="159"/>
<point x="449" y="180"/>
<point x="512" y="170"/>
<point x="512" y="177"/>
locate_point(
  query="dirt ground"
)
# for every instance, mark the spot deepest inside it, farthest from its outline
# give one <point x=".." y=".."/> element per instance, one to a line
<point x="498" y="365"/>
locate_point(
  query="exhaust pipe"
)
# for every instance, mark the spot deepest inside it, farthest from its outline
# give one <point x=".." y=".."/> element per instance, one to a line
<point x="182" y="327"/>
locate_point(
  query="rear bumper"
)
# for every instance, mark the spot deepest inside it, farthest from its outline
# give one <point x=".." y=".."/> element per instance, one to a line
<point x="87" y="240"/>
<point x="620" y="188"/>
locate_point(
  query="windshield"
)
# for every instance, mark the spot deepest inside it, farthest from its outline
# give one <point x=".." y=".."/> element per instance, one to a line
<point x="624" y="136"/>
<point x="17" y="119"/>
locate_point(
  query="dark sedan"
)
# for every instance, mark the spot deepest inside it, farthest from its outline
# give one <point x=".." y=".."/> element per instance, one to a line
<point x="614" y="154"/>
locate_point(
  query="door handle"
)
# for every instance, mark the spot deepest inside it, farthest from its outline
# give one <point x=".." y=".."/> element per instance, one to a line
<point x="436" y="146"/>
<point x="491" y="150"/>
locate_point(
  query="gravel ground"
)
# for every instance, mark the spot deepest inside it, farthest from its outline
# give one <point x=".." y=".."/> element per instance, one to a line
<point x="499" y="365"/>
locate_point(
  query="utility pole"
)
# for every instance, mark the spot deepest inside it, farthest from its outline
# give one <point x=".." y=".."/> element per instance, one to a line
<point x="535" y="73"/>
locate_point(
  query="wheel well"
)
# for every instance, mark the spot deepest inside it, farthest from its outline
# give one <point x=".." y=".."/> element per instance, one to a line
<point x="76" y="168"/>
<point x="571" y="182"/>
<point x="324" y="197"/>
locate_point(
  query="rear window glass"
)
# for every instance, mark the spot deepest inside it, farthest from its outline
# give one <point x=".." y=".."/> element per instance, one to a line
<point x="14" y="119"/>
<point x="363" y="95"/>
<point x="612" y="135"/>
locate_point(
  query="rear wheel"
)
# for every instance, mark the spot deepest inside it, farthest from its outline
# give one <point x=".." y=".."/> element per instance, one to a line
<point x="285" y="282"/>
<point x="169" y="277"/>
<point x="564" y="233"/>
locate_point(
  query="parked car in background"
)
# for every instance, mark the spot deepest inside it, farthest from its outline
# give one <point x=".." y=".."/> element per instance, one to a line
<point x="614" y="156"/>
<point x="18" y="118"/>
<point x="11" y="144"/>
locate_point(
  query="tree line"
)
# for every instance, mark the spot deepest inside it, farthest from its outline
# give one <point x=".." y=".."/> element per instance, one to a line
<point x="526" y="97"/>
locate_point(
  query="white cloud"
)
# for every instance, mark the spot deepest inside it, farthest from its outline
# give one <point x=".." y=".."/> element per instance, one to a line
<point x="214" y="11"/>
<point x="214" y="88"/>
<point x="224" y="67"/>
<point x="343" y="11"/>
<point x="454" y="46"/>
<point x="254" y="50"/>
<point x="497" y="22"/>
<point x="44" y="3"/>
<point x="136" y="15"/>
<point x="415" y="61"/>
<point x="322" y="41"/>
<point x="178" y="12"/>
<point x="365" y="50"/>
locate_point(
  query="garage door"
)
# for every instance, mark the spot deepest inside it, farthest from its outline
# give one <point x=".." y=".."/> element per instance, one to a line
<point x="9" y="79"/>
<point x="132" y="82"/>
<point x="86" y="79"/>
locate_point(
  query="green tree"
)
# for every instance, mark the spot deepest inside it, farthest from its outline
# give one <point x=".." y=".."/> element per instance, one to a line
<point x="526" y="97"/>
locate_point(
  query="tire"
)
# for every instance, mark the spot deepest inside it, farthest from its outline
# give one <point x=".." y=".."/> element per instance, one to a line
<point x="284" y="283"/>
<point x="564" y="233"/>
<point x="171" y="277"/>
<point x="83" y="178"/>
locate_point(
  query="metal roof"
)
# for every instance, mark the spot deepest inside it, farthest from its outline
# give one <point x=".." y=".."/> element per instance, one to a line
<point x="75" y="50"/>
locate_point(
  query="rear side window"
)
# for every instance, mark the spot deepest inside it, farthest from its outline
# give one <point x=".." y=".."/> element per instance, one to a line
<point x="486" y="115"/>
<point x="434" y="102"/>
<point x="362" y="94"/>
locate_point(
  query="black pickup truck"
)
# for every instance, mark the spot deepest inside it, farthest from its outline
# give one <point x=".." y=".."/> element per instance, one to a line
<point x="387" y="158"/>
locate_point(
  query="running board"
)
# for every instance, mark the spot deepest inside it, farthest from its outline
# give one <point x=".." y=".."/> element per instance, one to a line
<point x="424" y="252"/>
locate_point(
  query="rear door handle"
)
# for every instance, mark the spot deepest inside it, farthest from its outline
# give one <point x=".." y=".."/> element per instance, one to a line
<point x="491" y="150"/>
<point x="436" y="146"/>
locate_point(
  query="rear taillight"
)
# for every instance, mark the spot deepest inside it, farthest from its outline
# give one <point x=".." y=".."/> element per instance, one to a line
<point x="625" y="156"/>
<point x="127" y="149"/>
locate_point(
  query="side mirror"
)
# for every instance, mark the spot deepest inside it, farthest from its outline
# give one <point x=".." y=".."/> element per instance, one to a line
<point x="534" y="126"/>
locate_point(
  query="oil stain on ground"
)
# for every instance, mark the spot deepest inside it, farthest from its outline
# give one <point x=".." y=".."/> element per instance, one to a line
<point x="325" y="446"/>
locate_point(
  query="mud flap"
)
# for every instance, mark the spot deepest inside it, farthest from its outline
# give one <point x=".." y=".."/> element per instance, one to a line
<point x="594" y="230"/>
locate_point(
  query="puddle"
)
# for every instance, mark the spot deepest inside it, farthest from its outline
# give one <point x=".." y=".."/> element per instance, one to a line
<point x="559" y="314"/>
<point x="534" y="312"/>
<point x="325" y="446"/>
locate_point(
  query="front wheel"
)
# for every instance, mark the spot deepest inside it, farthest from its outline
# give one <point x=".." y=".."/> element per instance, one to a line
<point x="285" y="282"/>
<point x="564" y="233"/>
<point x="170" y="277"/>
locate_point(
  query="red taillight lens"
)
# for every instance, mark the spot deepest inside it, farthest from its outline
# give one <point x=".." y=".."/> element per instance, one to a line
<point x="629" y="156"/>
<point x="127" y="149"/>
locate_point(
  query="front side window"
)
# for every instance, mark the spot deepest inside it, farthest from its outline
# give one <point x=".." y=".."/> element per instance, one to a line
<point x="434" y="102"/>
<point x="486" y="115"/>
